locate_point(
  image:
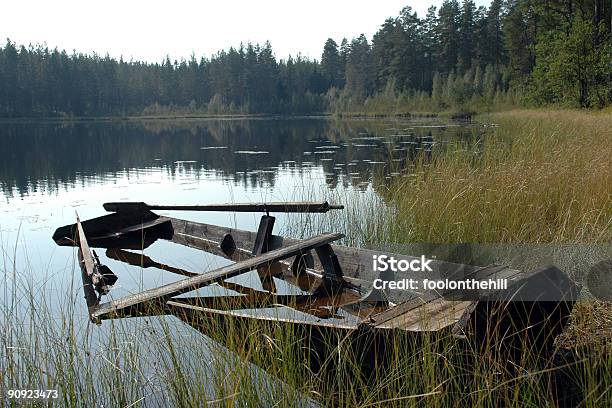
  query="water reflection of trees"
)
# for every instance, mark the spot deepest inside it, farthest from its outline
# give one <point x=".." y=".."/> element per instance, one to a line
<point x="51" y="156"/>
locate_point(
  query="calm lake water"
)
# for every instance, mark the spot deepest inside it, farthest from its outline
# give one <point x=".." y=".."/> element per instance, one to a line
<point x="49" y="171"/>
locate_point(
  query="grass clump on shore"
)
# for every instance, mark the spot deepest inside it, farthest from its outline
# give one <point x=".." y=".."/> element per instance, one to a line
<point x="538" y="176"/>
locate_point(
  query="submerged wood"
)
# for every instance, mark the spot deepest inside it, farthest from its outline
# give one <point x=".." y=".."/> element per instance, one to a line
<point x="320" y="306"/>
<point x="195" y="282"/>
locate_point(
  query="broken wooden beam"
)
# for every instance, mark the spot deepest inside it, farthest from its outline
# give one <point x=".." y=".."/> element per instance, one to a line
<point x="262" y="245"/>
<point x="186" y="285"/>
<point x="88" y="268"/>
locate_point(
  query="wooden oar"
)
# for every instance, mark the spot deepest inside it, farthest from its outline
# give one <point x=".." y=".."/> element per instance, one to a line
<point x="287" y="207"/>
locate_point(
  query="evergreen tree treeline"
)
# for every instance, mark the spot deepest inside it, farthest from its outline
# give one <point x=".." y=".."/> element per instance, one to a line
<point x="539" y="52"/>
<point x="39" y="81"/>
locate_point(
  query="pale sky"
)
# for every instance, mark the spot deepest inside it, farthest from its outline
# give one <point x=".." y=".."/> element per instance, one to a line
<point x="151" y="29"/>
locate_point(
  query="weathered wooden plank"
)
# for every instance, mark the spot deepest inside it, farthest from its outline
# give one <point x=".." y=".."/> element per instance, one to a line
<point x="321" y="307"/>
<point x="356" y="262"/>
<point x="263" y="315"/>
<point x="264" y="232"/>
<point x="287" y="207"/>
<point x="430" y="316"/>
<point x="412" y="306"/>
<point x="195" y="282"/>
<point x="210" y="246"/>
<point x="87" y="264"/>
<point x="262" y="245"/>
<point x="134" y="228"/>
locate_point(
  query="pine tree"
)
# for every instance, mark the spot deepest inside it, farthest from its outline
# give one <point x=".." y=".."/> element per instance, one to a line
<point x="359" y="68"/>
<point x="344" y="51"/>
<point x="431" y="44"/>
<point x="467" y="35"/>
<point x="384" y="47"/>
<point x="571" y="69"/>
<point x="520" y="31"/>
<point x="494" y="45"/>
<point x="448" y="34"/>
<point x="331" y="64"/>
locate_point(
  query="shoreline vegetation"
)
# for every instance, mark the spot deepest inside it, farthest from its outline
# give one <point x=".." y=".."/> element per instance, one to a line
<point x="167" y="116"/>
<point x="398" y="113"/>
<point x="459" y="115"/>
<point x="541" y="176"/>
<point x="170" y="114"/>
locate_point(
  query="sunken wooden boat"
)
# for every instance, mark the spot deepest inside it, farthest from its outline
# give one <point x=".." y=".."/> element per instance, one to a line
<point x="336" y="293"/>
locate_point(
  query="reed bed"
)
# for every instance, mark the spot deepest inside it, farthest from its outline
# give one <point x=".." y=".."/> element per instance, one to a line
<point x="538" y="176"/>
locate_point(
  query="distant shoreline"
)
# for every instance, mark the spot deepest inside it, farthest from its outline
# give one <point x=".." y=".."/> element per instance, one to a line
<point x="136" y="118"/>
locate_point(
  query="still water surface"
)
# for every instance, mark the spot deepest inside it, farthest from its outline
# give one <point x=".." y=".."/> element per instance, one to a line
<point x="49" y="171"/>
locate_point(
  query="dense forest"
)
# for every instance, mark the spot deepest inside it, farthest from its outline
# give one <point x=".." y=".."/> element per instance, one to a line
<point x="533" y="52"/>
